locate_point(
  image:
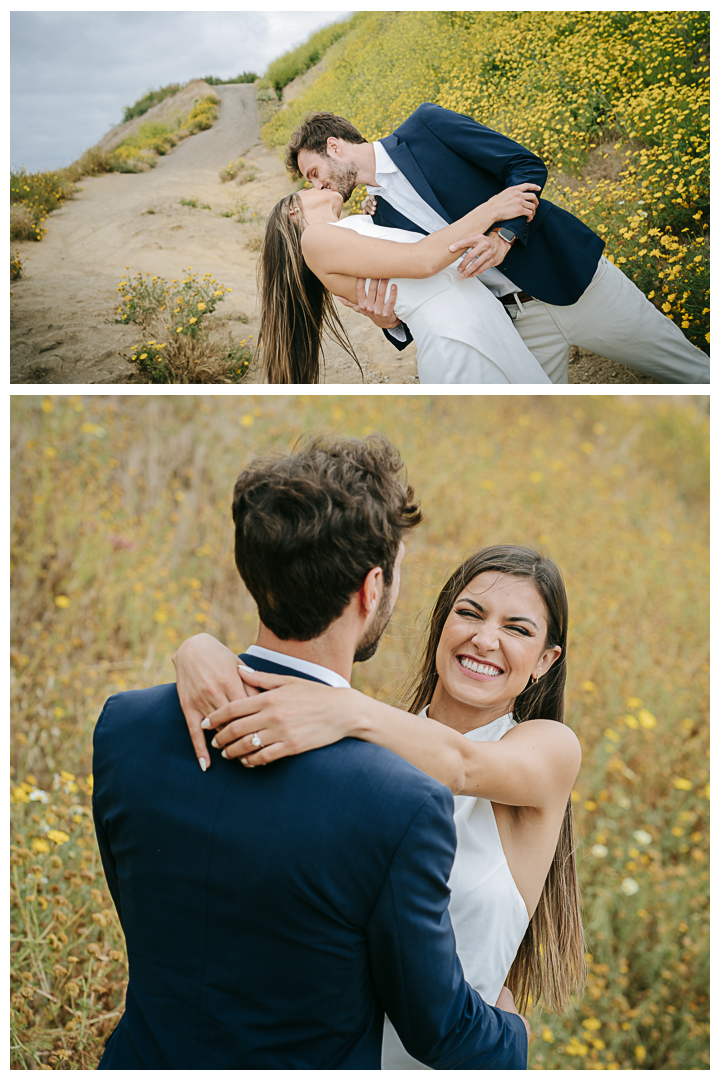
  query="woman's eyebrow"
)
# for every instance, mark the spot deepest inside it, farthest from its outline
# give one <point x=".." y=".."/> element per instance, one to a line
<point x="510" y="618"/>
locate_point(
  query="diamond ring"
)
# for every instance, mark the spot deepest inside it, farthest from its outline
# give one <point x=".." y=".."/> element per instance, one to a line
<point x="256" y="740"/>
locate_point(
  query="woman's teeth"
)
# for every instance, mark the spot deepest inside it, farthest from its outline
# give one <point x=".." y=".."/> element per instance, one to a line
<point x="481" y="669"/>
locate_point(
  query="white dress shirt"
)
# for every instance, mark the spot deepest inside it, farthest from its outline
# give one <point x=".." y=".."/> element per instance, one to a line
<point x="305" y="666"/>
<point x="396" y="189"/>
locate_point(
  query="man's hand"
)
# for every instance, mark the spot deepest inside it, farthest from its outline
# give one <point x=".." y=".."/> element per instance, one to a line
<point x="485" y="251"/>
<point x="506" y="1002"/>
<point x="369" y="204"/>
<point x="373" y="303"/>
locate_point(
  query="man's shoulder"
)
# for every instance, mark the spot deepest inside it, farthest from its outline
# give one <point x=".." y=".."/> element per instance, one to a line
<point x="136" y="703"/>
<point x="366" y="768"/>
<point x="425" y="114"/>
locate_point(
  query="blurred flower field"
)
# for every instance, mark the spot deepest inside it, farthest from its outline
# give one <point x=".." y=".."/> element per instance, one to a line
<point x="122" y="545"/>
<point x="615" y="103"/>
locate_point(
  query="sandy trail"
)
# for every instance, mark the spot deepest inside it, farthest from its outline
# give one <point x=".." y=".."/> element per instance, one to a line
<point x="62" y="310"/>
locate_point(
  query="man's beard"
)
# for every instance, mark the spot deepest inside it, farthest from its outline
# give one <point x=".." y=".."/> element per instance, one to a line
<point x="344" y="178"/>
<point x="368" y="646"/>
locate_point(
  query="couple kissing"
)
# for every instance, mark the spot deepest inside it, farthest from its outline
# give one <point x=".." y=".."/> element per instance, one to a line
<point x="456" y="249"/>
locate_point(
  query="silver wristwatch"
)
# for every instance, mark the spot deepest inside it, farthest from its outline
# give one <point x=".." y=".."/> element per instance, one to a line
<point x="507" y="234"/>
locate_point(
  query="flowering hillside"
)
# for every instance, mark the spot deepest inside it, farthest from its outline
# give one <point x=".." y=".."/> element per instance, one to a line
<point x="616" y="104"/>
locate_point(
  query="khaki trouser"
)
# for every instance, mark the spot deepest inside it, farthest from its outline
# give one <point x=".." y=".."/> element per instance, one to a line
<point x="614" y="319"/>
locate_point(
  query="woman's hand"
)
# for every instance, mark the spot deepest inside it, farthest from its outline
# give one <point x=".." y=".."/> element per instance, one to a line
<point x="485" y="250"/>
<point x="207" y="677"/>
<point x="517" y="201"/>
<point x="294" y="715"/>
<point x="506" y="1002"/>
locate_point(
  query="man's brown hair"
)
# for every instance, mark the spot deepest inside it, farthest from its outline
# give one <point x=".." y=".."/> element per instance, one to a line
<point x="310" y="526"/>
<point x="313" y="134"/>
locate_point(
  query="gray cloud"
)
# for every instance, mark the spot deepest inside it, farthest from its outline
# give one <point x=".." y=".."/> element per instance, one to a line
<point x="72" y="72"/>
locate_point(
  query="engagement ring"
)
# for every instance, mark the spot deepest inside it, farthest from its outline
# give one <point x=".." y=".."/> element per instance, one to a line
<point x="256" y="740"/>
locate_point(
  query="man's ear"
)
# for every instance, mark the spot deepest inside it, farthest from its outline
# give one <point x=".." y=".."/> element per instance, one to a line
<point x="332" y="145"/>
<point x="370" y="591"/>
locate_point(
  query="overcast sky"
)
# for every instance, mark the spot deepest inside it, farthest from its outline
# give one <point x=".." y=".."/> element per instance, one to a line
<point x="72" y="72"/>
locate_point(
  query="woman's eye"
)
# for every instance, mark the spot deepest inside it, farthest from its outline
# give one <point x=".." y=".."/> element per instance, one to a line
<point x="469" y="613"/>
<point x="520" y="630"/>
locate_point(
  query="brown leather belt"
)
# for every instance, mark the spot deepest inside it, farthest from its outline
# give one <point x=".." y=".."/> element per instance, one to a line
<point x="512" y="298"/>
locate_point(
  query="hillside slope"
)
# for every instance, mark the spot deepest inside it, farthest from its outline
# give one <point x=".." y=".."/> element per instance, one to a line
<point x="62" y="309"/>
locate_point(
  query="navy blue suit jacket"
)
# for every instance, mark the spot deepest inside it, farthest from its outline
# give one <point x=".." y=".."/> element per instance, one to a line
<point x="272" y="915"/>
<point x="455" y="164"/>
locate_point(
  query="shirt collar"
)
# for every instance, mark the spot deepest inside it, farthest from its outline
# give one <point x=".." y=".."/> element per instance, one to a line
<point x="322" y="673"/>
<point x="384" y="164"/>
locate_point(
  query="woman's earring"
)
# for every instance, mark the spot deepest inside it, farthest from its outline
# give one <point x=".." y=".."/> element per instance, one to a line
<point x="533" y="679"/>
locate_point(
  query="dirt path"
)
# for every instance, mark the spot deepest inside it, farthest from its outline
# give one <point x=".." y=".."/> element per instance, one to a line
<point x="62" y="309"/>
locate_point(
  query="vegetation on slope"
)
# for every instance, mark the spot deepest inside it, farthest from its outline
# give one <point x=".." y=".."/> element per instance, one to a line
<point x="148" y="100"/>
<point x="35" y="195"/>
<point x="296" y="62"/>
<point x="616" y="104"/>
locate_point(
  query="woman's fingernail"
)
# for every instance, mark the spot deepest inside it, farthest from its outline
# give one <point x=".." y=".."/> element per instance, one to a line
<point x="214" y="743"/>
<point x="223" y="753"/>
<point x="203" y="764"/>
<point x="205" y="723"/>
<point x="244" y="667"/>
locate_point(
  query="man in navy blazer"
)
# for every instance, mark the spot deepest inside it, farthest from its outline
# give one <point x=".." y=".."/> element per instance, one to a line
<point x="273" y="916"/>
<point x="549" y="273"/>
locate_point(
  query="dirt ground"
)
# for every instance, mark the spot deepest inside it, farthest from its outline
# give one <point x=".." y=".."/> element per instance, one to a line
<point x="62" y="309"/>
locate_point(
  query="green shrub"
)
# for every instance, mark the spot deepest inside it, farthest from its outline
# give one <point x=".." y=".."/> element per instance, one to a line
<point x="187" y="302"/>
<point x="153" y="97"/>
<point x="94" y="162"/>
<point x="237" y="170"/>
<point x="244" y="213"/>
<point x="246" y="77"/>
<point x="291" y="64"/>
<point x="32" y="197"/>
<point x="203" y="114"/>
<point x="192" y="353"/>
<point x="150" y="138"/>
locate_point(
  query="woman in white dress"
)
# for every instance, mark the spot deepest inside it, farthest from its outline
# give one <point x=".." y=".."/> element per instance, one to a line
<point x="463" y="333"/>
<point x="488" y="723"/>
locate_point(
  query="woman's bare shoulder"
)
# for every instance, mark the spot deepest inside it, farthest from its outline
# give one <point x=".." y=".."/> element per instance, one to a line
<point x="551" y="740"/>
<point x="318" y="238"/>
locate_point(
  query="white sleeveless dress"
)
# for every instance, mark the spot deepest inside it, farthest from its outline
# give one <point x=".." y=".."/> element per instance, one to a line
<point x="462" y="332"/>
<point x="487" y="912"/>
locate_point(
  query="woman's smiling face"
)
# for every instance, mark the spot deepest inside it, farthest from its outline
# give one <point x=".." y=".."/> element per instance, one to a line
<point x="492" y="643"/>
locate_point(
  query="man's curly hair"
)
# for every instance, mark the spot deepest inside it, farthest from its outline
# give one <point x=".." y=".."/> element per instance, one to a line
<point x="313" y="134"/>
<point x="310" y="526"/>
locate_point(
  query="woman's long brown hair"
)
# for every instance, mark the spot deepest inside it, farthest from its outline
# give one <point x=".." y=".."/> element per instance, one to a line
<point x="296" y="306"/>
<point x="550" y="963"/>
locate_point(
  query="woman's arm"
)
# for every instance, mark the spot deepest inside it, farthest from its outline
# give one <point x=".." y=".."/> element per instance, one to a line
<point x="535" y="764"/>
<point x="339" y="257"/>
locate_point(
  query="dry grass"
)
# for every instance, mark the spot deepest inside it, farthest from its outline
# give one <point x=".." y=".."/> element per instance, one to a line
<point x="211" y="357"/>
<point x="237" y="170"/>
<point x="22" y="223"/>
<point x="253" y="237"/>
<point x="122" y="546"/>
